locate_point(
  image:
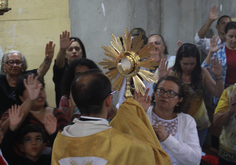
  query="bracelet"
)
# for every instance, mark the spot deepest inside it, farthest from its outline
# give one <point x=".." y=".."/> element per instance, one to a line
<point x="218" y="79"/>
<point x="46" y="62"/>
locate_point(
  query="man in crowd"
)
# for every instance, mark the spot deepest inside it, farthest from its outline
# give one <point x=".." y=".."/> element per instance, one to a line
<point x="200" y="39"/>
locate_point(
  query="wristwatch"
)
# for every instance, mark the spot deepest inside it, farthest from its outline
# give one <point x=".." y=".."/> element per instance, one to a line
<point x="46" y="62"/>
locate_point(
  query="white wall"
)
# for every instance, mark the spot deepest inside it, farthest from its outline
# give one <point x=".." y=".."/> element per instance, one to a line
<point x="174" y="19"/>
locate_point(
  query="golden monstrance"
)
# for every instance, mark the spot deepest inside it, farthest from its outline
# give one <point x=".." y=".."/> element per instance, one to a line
<point x="127" y="61"/>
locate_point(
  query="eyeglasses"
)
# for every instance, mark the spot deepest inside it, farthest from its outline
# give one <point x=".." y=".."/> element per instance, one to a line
<point x="170" y="94"/>
<point x="11" y="63"/>
<point x="112" y="93"/>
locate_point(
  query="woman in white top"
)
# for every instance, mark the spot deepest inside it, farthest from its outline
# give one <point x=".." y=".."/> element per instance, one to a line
<point x="175" y="130"/>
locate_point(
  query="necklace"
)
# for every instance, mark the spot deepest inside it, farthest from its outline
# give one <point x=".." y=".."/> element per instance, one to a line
<point x="187" y="77"/>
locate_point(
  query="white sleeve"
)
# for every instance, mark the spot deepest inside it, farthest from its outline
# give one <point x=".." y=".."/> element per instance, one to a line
<point x="202" y="43"/>
<point x="188" y="151"/>
<point x="150" y="86"/>
<point x="121" y="98"/>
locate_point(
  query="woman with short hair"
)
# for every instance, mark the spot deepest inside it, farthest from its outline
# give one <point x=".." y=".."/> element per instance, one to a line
<point x="13" y="65"/>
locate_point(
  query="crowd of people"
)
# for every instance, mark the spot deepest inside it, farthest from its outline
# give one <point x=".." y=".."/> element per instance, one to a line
<point x="167" y="125"/>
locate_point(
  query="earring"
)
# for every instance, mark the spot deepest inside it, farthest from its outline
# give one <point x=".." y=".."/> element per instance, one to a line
<point x="177" y="105"/>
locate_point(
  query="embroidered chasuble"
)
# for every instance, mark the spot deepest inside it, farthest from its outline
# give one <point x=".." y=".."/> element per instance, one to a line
<point x="132" y="119"/>
<point x="131" y="141"/>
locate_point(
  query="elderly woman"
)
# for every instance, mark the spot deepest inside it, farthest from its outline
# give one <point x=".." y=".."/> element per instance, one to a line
<point x="13" y="65"/>
<point x="70" y="48"/>
<point x="175" y="129"/>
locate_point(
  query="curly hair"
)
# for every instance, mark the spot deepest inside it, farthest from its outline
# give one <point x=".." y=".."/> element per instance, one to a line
<point x="184" y="92"/>
<point x="69" y="74"/>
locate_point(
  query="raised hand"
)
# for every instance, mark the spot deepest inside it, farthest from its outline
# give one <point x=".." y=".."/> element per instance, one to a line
<point x="213" y="45"/>
<point x="15" y="117"/>
<point x="33" y="87"/>
<point x="216" y="67"/>
<point x="72" y="101"/>
<point x="65" y="40"/>
<point x="179" y="43"/>
<point x="213" y="14"/>
<point x="160" y="131"/>
<point x="49" y="51"/>
<point x="162" y="69"/>
<point x="143" y="100"/>
<point x="50" y="123"/>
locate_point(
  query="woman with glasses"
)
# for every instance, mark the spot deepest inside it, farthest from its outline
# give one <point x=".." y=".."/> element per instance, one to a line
<point x="188" y="69"/>
<point x="175" y="129"/>
<point x="13" y="65"/>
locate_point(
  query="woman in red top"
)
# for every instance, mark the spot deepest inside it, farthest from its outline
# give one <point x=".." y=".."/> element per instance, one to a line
<point x="226" y="52"/>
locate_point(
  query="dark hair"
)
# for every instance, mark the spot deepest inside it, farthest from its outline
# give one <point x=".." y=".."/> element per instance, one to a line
<point x="81" y="45"/>
<point x="183" y="92"/>
<point x="144" y="38"/>
<point x="166" y="49"/>
<point x="31" y="128"/>
<point x="69" y="74"/>
<point x="223" y="16"/>
<point x="189" y="50"/>
<point x="89" y="90"/>
<point x="137" y="31"/>
<point x="229" y="26"/>
<point x="20" y="87"/>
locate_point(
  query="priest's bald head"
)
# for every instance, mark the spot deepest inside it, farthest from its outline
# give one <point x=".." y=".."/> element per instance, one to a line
<point x="91" y="92"/>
